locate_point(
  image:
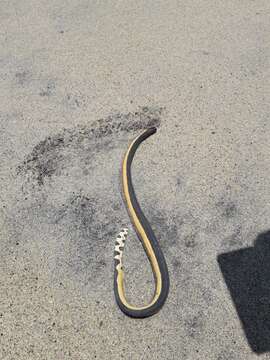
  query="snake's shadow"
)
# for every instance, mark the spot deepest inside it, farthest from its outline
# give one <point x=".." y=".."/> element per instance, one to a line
<point x="247" y="276"/>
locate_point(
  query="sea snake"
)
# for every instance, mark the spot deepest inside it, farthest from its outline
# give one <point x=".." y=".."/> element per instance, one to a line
<point x="148" y="239"/>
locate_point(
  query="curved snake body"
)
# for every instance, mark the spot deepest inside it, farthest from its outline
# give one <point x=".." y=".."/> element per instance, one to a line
<point x="148" y="239"/>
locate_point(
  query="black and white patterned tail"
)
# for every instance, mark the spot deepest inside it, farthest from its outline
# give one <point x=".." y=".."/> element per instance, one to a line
<point x="119" y="247"/>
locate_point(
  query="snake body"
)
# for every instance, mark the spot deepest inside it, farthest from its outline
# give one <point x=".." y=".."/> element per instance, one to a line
<point x="148" y="239"/>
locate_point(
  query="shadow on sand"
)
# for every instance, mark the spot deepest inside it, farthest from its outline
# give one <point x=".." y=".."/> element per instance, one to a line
<point x="247" y="276"/>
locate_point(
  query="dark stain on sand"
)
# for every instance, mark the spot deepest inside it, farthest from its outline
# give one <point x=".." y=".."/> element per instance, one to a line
<point x="51" y="155"/>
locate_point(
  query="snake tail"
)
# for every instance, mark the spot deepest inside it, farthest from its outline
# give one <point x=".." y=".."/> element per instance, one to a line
<point x="148" y="239"/>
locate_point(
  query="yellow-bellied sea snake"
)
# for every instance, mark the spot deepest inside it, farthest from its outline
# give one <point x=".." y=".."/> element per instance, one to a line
<point x="148" y="239"/>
